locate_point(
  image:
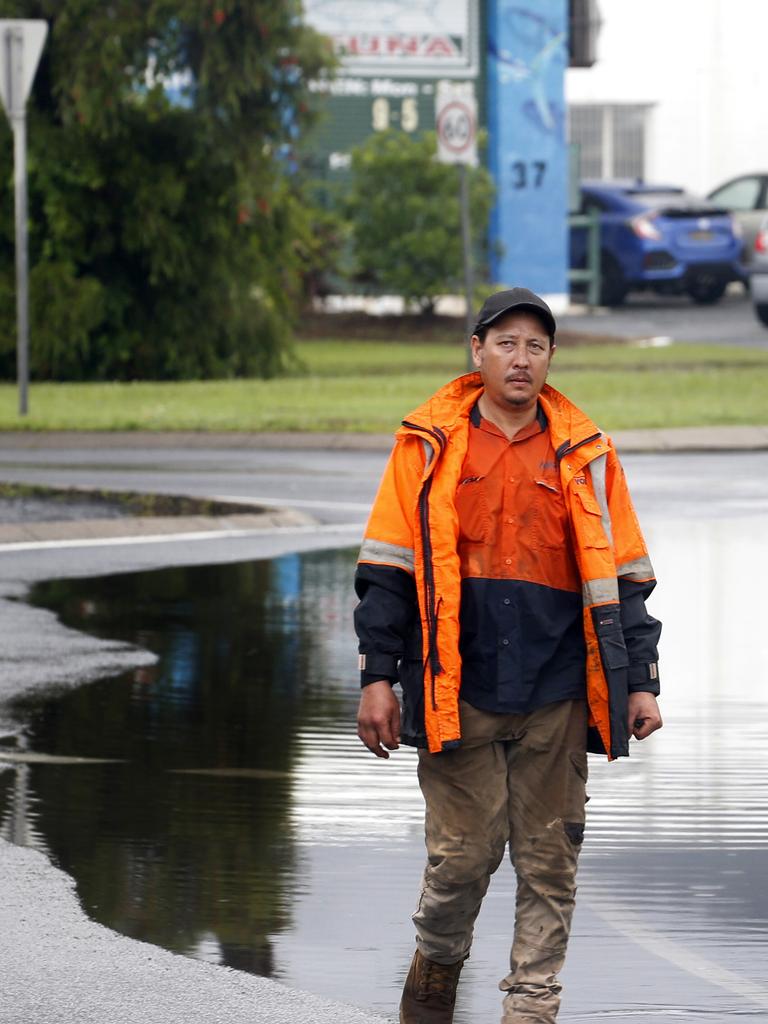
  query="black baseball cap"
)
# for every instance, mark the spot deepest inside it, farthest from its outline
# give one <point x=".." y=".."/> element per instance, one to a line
<point x="509" y="301"/>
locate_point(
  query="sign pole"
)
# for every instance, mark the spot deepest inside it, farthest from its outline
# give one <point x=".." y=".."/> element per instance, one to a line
<point x="19" y="125"/>
<point x="22" y="261"/>
<point x="456" y="124"/>
<point x="466" y="243"/>
<point x="21" y="43"/>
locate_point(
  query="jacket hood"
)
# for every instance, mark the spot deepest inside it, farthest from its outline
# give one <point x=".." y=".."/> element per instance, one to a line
<point x="454" y="400"/>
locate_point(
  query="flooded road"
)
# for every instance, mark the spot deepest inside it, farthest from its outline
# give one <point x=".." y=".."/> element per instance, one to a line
<point x="240" y="821"/>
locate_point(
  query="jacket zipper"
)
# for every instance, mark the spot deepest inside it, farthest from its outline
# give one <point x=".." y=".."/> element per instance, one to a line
<point x="429" y="575"/>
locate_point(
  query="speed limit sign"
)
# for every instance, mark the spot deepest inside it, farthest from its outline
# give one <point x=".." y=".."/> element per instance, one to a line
<point x="456" y="123"/>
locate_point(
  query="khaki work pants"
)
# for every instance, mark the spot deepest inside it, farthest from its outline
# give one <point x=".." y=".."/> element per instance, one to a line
<point x="518" y="779"/>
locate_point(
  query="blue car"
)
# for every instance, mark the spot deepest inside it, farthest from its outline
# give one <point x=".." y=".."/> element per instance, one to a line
<point x="661" y="238"/>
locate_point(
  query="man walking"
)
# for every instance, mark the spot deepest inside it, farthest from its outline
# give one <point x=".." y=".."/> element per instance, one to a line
<point x="502" y="582"/>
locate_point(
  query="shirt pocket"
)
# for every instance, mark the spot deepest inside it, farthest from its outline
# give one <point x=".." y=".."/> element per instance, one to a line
<point x="550" y="516"/>
<point x="476" y="523"/>
<point x="590" y="525"/>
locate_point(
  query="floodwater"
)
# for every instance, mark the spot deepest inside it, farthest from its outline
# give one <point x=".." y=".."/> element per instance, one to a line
<point x="239" y="820"/>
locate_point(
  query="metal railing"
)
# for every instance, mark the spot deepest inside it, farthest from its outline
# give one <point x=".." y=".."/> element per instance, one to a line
<point x="591" y="273"/>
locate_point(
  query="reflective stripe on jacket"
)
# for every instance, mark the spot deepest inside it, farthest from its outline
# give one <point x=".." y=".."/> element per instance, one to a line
<point x="413" y="527"/>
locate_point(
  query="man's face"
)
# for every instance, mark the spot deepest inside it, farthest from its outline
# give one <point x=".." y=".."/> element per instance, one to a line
<point x="514" y="359"/>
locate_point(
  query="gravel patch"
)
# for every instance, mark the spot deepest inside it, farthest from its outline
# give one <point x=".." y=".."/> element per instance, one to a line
<point x="40" y="653"/>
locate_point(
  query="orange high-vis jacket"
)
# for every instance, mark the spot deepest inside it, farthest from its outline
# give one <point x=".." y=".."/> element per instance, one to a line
<point x="414" y="527"/>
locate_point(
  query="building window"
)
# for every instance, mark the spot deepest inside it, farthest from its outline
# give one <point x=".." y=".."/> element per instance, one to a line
<point x="611" y="139"/>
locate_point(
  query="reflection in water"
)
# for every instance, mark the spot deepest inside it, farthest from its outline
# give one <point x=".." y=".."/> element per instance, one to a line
<point x="250" y="827"/>
<point x="191" y="842"/>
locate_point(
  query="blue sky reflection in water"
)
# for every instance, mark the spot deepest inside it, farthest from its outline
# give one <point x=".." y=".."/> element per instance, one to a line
<point x="249" y="827"/>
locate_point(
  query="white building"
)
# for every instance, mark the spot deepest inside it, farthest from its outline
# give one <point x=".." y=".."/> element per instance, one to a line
<point x="679" y="94"/>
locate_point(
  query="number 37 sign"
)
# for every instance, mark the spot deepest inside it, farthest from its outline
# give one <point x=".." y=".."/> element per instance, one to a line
<point x="456" y="123"/>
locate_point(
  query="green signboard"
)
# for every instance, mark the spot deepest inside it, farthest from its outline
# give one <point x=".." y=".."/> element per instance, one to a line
<point x="392" y="54"/>
<point x="356" y="107"/>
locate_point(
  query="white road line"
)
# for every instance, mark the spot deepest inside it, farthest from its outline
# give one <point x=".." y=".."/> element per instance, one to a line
<point x="286" y="502"/>
<point x="161" y="538"/>
<point x="31" y="757"/>
<point x="624" y="921"/>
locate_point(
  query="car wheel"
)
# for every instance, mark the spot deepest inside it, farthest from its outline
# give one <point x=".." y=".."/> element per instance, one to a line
<point x="761" y="312"/>
<point x="613" y="284"/>
<point x="706" y="289"/>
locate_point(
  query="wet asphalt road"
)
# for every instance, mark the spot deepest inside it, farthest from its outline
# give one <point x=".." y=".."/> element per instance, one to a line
<point x="337" y="487"/>
<point x="731" y="321"/>
<point x="672" y="922"/>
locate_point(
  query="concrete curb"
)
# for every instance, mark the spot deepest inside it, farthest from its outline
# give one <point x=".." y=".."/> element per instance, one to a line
<point x="664" y="439"/>
<point x="151" y="526"/>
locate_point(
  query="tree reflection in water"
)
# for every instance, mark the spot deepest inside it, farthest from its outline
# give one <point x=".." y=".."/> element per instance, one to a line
<point x="189" y="843"/>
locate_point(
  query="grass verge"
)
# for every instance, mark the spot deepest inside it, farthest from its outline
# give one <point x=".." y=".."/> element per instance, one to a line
<point x="370" y="386"/>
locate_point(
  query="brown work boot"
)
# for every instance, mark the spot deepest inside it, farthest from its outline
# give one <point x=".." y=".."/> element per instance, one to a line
<point x="429" y="993"/>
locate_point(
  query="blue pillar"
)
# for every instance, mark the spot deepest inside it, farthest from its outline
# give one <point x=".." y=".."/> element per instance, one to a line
<point x="527" y="155"/>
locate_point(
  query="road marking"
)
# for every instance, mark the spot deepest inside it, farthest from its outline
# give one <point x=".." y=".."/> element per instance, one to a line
<point x="31" y="757"/>
<point x="346" y="506"/>
<point x="162" y="538"/>
<point x="622" y="920"/>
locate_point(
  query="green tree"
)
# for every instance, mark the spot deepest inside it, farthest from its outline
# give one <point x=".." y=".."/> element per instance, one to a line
<point x="168" y="234"/>
<point x="405" y="211"/>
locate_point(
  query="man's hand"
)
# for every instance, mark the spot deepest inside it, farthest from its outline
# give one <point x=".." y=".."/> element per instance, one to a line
<point x="644" y="715"/>
<point x="378" y="718"/>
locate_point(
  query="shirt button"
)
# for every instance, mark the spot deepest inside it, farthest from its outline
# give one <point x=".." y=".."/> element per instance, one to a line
<point x="507" y="601"/>
<point x="510" y="522"/>
<point x="505" y="642"/>
<point x="508" y="561"/>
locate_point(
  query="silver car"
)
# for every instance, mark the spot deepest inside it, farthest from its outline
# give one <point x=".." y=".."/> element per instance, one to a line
<point x="746" y="197"/>
<point x="758" y="280"/>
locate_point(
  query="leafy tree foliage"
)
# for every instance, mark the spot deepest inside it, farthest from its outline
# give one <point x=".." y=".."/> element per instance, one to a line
<point x="405" y="211"/>
<point x="168" y="236"/>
